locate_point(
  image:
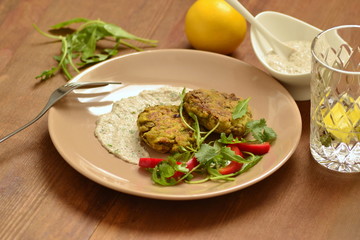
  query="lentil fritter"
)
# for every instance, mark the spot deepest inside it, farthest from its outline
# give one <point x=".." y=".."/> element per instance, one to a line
<point x="211" y="107"/>
<point x="162" y="128"/>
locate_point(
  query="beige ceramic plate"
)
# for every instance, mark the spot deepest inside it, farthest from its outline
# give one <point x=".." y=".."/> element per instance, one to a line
<point x="72" y="121"/>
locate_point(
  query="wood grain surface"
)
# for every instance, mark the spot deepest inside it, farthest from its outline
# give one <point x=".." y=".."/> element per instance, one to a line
<point x="42" y="197"/>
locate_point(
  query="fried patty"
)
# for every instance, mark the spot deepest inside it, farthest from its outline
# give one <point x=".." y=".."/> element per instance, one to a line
<point x="162" y="128"/>
<point x="211" y="107"/>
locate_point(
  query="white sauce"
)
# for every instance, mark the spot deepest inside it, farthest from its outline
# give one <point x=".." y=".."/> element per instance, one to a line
<point x="298" y="62"/>
<point x="117" y="131"/>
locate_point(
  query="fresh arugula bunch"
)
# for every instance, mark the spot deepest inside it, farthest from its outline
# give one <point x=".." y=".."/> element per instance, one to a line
<point x="81" y="45"/>
<point x="213" y="155"/>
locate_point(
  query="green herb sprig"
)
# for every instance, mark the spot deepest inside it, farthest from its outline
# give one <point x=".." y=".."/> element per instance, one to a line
<point x="80" y="49"/>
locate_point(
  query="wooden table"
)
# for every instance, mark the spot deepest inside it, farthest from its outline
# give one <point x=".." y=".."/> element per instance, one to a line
<point x="42" y="197"/>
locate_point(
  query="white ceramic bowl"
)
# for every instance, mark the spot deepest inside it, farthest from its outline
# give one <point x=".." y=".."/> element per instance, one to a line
<point x="286" y="28"/>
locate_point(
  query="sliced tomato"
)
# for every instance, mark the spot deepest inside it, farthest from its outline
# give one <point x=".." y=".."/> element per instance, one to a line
<point x="255" y="148"/>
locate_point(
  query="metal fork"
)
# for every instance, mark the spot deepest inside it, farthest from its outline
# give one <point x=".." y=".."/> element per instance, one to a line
<point x="56" y="96"/>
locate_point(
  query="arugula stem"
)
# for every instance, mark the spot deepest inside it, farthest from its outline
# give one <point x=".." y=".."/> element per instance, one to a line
<point x="63" y="57"/>
<point x="198" y="138"/>
<point x="188" y="173"/>
<point x="148" y="41"/>
<point x="88" y="23"/>
<point x="72" y="64"/>
<point x="224" y="177"/>
<point x="208" y="133"/>
<point x="199" y="181"/>
<point x="130" y="45"/>
<point x="47" y="34"/>
<point x="66" y="71"/>
<point x="181" y="109"/>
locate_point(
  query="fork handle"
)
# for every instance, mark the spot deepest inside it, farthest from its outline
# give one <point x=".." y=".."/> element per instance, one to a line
<point x="43" y="111"/>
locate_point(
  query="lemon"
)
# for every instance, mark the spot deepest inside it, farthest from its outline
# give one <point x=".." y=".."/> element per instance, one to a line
<point x="213" y="25"/>
<point x="341" y="122"/>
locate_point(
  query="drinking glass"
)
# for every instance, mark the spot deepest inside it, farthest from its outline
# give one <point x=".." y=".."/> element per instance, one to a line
<point x="335" y="99"/>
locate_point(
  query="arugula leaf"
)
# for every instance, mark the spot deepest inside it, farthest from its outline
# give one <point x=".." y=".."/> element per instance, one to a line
<point x="228" y="154"/>
<point x="81" y="45"/>
<point x="260" y="131"/>
<point x="111" y="51"/>
<point x="214" y="172"/>
<point x="48" y="73"/>
<point x="71" y="21"/>
<point x="241" y="108"/>
<point x="118" y="32"/>
<point x="255" y="159"/>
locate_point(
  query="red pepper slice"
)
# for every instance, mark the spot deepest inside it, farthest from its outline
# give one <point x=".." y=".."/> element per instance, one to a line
<point x="231" y="168"/>
<point x="152" y="162"/>
<point x="255" y="148"/>
<point x="189" y="165"/>
<point x="233" y="165"/>
<point x="235" y="149"/>
<point x="149" y="162"/>
<point x="192" y="163"/>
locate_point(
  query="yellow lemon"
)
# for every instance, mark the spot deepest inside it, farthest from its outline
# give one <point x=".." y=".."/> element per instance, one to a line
<point x="341" y="122"/>
<point x="213" y="25"/>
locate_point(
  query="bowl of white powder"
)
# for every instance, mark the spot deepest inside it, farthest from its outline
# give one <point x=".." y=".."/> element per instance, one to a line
<point x="295" y="72"/>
